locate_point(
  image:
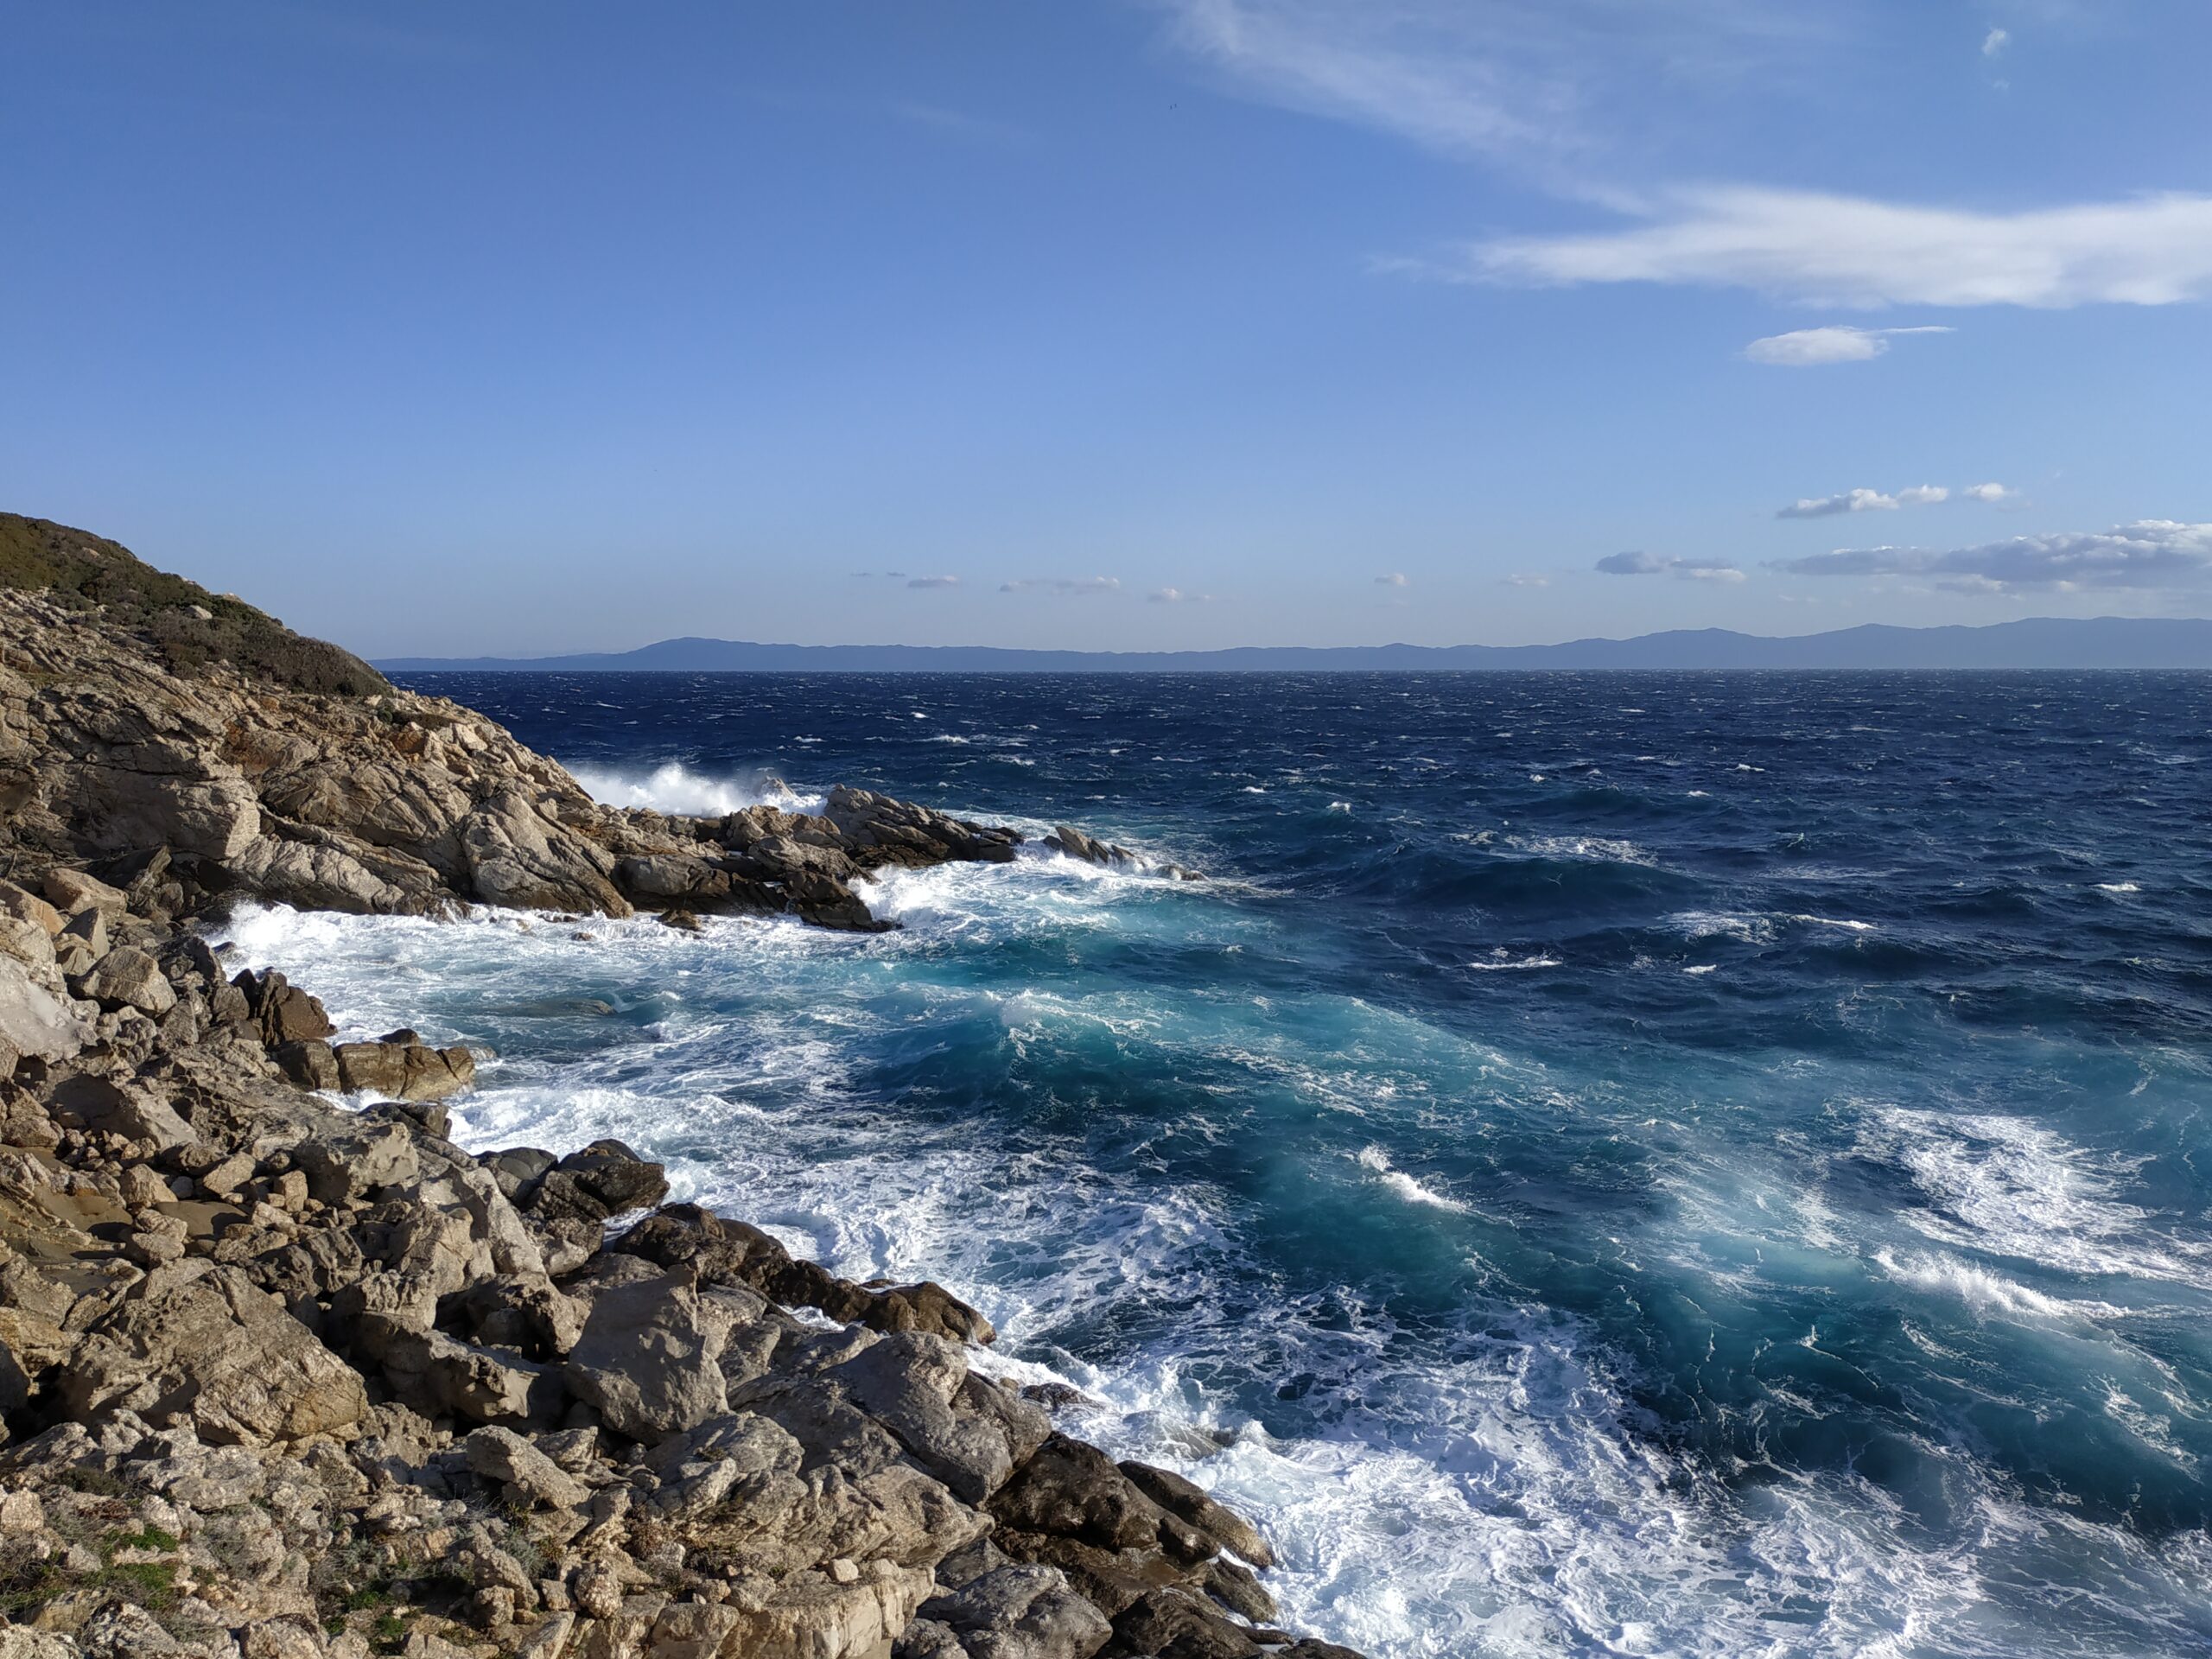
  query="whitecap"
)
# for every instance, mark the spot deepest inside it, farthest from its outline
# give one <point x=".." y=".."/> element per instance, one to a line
<point x="1374" y="1158"/>
<point x="675" y="789"/>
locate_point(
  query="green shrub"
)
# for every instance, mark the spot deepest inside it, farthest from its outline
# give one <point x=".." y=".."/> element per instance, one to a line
<point x="191" y="628"/>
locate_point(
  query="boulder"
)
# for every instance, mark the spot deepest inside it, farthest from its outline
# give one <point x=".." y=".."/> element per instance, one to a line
<point x="647" y="1359"/>
<point x="811" y="1617"/>
<point x="284" y="1013"/>
<point x="199" y="1344"/>
<point x="1072" y="1490"/>
<point x="520" y="856"/>
<point x="36" y="1017"/>
<point x="1180" y="1497"/>
<point x="501" y="1455"/>
<point x="916" y="1386"/>
<point x="86" y="1102"/>
<point x="1024" y="1611"/>
<point x="403" y="1071"/>
<point x="604" y="1179"/>
<point x="72" y="892"/>
<point x="126" y="977"/>
<point x="25" y="905"/>
<point x="356" y="1159"/>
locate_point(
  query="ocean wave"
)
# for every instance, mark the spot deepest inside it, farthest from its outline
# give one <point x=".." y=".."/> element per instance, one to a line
<point x="1406" y="1187"/>
<point x="674" y="789"/>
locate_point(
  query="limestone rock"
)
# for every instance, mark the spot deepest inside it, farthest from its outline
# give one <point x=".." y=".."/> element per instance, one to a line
<point x="647" y="1359"/>
<point x="199" y="1344"/>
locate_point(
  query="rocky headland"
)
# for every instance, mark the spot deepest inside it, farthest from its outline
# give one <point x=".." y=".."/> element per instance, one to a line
<point x="282" y="1377"/>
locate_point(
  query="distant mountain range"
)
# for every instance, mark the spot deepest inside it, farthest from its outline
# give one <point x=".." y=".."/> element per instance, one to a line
<point x="2040" y="642"/>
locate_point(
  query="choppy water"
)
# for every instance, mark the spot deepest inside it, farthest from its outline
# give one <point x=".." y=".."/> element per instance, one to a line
<point x="1612" y="1164"/>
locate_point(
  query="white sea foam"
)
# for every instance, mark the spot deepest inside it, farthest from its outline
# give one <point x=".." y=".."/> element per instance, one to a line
<point x="2010" y="1186"/>
<point x="1501" y="1499"/>
<point x="2118" y="886"/>
<point x="1501" y="962"/>
<point x="675" y="788"/>
<point x="1376" y="1159"/>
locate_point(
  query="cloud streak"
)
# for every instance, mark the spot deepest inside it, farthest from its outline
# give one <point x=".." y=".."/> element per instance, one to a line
<point x="1849" y="251"/>
<point x="1807" y="348"/>
<point x="1654" y="565"/>
<point x="2151" y="553"/>
<point x="1828" y="506"/>
<point x="933" y="582"/>
<point x="1062" y="587"/>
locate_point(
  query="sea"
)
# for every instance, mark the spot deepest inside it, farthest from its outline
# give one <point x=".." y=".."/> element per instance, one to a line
<point x="1604" y="1164"/>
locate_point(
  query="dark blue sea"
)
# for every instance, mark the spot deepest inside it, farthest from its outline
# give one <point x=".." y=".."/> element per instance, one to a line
<point x="1607" y="1164"/>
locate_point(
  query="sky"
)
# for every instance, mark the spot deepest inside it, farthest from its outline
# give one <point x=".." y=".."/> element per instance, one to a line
<point x="513" y="329"/>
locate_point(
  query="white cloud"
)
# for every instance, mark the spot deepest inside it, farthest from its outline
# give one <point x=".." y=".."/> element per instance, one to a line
<point x="1064" y="587"/>
<point x="1518" y="580"/>
<point x="1396" y="579"/>
<point x="1995" y="42"/>
<point x="1805" y="348"/>
<point x="1176" y="596"/>
<point x="1654" y="565"/>
<point x="1827" y="506"/>
<point x="1847" y="251"/>
<point x="1533" y="81"/>
<point x="2150" y="553"/>
<point x="1866" y="500"/>
<point x="933" y="582"/>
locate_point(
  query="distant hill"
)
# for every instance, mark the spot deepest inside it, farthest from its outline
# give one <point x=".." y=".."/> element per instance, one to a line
<point x="2040" y="642"/>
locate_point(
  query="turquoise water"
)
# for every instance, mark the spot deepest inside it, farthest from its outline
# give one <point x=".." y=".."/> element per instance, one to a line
<point x="1609" y="1164"/>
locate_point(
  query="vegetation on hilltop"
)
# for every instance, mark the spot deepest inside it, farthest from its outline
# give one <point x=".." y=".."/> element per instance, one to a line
<point x="192" y="628"/>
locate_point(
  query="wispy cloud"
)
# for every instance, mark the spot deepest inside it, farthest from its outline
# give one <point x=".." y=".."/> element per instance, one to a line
<point x="1176" y="596"/>
<point x="933" y="582"/>
<point x="879" y="575"/>
<point x="1995" y="42"/>
<point x="1064" y="587"/>
<point x="1995" y="494"/>
<point x="1654" y="564"/>
<point x="1863" y="500"/>
<point x="1393" y="578"/>
<point x="1807" y="348"/>
<point x="1846" y="251"/>
<point x="959" y="123"/>
<point x="1531" y="82"/>
<point x="2150" y="553"/>
<point x="1520" y="579"/>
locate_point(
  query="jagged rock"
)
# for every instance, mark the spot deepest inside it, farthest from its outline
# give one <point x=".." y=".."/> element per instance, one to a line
<point x="647" y="1359"/>
<point x="1071" y="1490"/>
<point x="1180" y="1496"/>
<point x="127" y="1109"/>
<point x="354" y="1162"/>
<point x="284" y="1013"/>
<point x="23" y="905"/>
<point x="917" y="1387"/>
<point x="198" y="1343"/>
<point x="439" y="1376"/>
<point x="502" y="1455"/>
<point x="126" y="977"/>
<point x="1174" y="1625"/>
<point x="72" y="892"/>
<point x="525" y="1312"/>
<point x="606" y="1179"/>
<point x="405" y="1071"/>
<point x="1021" y="1612"/>
<point x="812" y="1618"/>
<point x="311" y="1063"/>
<point x="37" y="1018"/>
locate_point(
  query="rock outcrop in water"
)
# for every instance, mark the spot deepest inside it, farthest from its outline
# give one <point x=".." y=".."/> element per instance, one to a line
<point x="281" y="1379"/>
<point x="280" y="772"/>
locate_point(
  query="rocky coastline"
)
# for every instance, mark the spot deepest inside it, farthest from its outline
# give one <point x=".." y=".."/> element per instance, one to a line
<point x="282" y="1377"/>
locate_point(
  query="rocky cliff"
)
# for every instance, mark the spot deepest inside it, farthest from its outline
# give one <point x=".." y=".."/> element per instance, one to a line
<point x="290" y="1373"/>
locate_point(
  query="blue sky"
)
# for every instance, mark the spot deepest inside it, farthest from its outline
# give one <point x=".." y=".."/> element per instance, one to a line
<point x="521" y="328"/>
